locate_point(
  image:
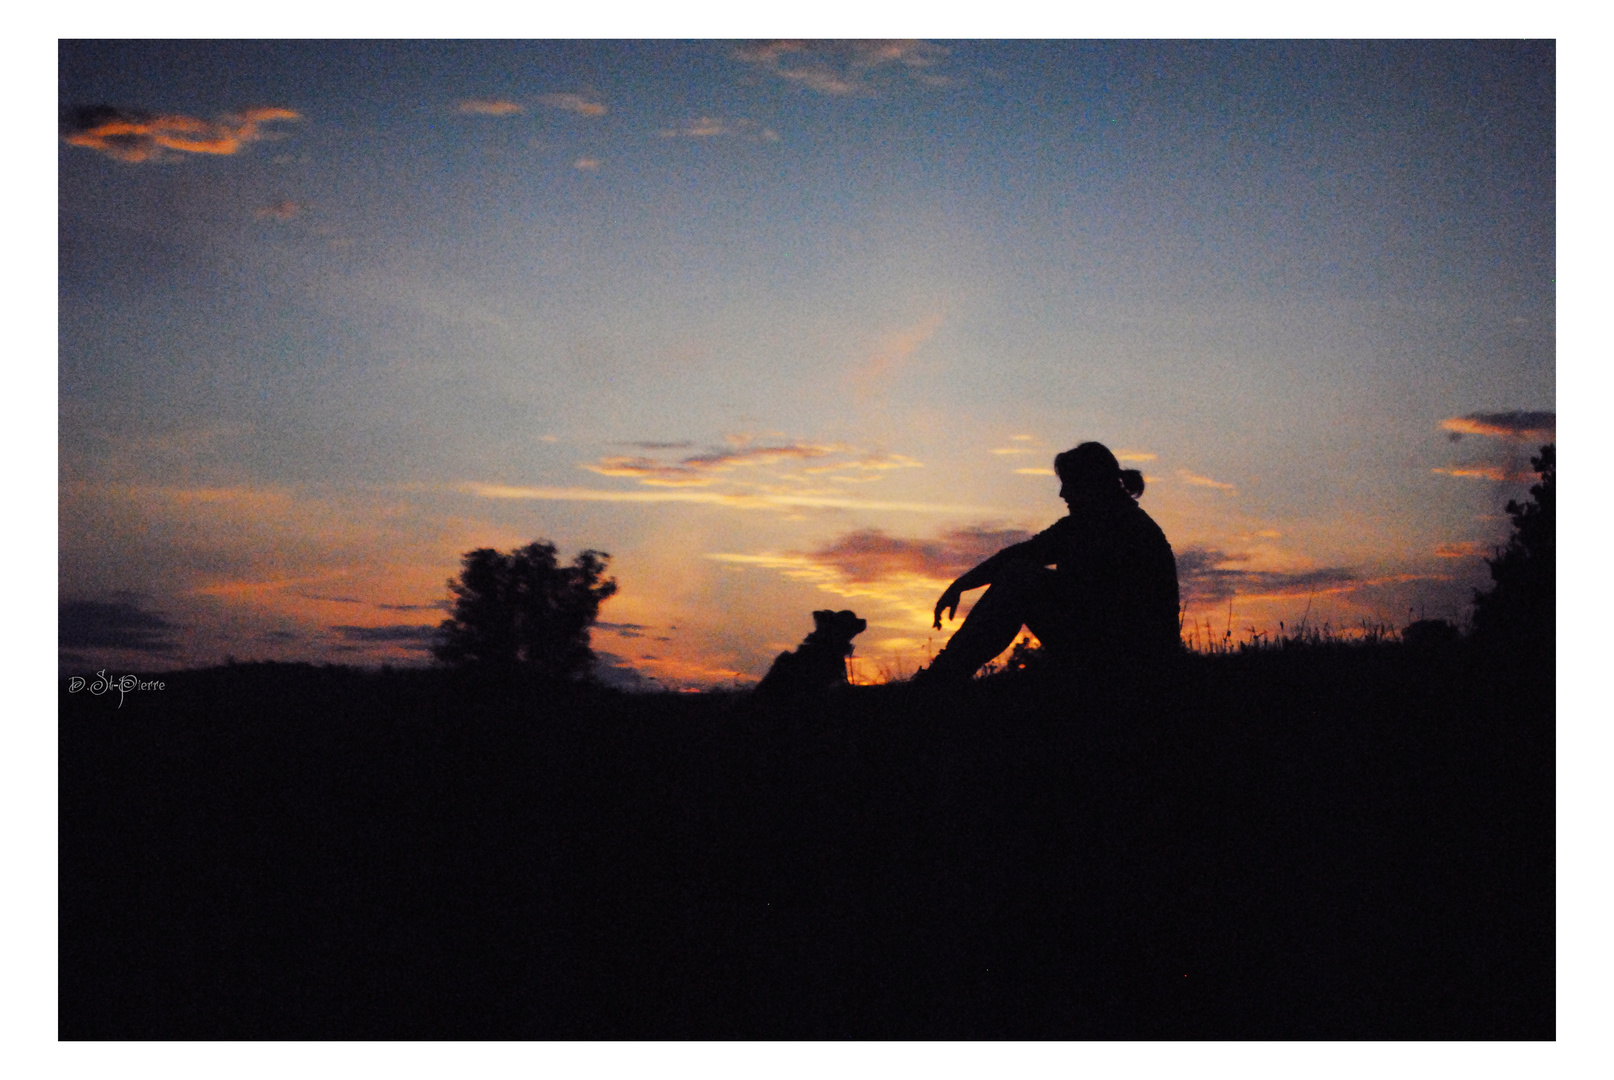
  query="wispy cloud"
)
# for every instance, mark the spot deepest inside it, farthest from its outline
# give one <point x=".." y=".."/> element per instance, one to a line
<point x="581" y="104"/>
<point x="1203" y="481"/>
<point x="133" y="135"/>
<point x="1541" y="426"/>
<point x="587" y="164"/>
<point x="737" y="500"/>
<point x="901" y="575"/>
<point x="871" y="555"/>
<point x="834" y="463"/>
<point x="407" y="635"/>
<point x="868" y="463"/>
<point x="711" y="127"/>
<point x="284" y="210"/>
<point x="845" y="68"/>
<point x="1461" y="549"/>
<point x="491" y="107"/>
<point x="1036" y="470"/>
<point x="891" y="355"/>
<point x="698" y="470"/>
<point x="1135" y="455"/>
<point x="1204" y="574"/>
<point x="1481" y="471"/>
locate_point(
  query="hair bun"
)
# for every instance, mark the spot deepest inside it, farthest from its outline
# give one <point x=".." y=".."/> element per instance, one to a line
<point x="1132" y="481"/>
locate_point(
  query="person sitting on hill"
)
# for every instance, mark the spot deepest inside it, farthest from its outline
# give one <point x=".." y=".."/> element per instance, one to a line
<point x="1110" y="601"/>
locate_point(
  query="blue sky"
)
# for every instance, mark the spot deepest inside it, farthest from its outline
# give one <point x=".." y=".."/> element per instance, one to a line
<point x="783" y="326"/>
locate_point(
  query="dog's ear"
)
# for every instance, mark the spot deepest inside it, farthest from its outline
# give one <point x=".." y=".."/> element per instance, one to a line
<point x="821" y="618"/>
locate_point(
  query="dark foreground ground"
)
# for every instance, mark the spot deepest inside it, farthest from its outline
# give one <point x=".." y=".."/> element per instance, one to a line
<point x="1334" y="843"/>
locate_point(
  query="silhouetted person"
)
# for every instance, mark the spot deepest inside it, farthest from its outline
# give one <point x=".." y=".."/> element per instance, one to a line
<point x="1109" y="603"/>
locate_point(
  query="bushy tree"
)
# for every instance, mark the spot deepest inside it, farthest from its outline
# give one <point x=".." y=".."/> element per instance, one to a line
<point x="523" y="611"/>
<point x="1520" y="607"/>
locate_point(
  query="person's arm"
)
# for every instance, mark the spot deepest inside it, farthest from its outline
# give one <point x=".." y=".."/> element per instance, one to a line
<point x="984" y="574"/>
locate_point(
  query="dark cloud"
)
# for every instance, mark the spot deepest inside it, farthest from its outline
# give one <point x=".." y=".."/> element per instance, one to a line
<point x="616" y="671"/>
<point x="331" y="599"/>
<point x="1541" y="426"/>
<point x="408" y="635"/>
<point x="134" y="135"/>
<point x="1203" y="574"/>
<point x="870" y="555"/>
<point x="627" y="630"/>
<point x="436" y="605"/>
<point x="90" y="624"/>
<point x="685" y="445"/>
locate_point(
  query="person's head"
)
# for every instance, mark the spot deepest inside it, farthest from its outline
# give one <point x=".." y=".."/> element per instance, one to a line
<point x="1089" y="475"/>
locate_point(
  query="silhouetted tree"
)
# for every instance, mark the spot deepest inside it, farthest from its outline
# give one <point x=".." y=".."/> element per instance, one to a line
<point x="1519" y="609"/>
<point x="523" y="611"/>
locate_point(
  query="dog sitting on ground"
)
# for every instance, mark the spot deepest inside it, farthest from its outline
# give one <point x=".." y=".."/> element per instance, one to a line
<point x="819" y="663"/>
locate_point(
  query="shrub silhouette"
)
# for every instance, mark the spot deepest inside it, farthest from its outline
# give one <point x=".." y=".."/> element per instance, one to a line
<point x="523" y="612"/>
<point x="1519" y="609"/>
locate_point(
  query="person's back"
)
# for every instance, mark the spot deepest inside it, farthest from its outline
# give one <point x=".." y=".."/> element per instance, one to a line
<point x="1119" y="580"/>
<point x="1111" y="599"/>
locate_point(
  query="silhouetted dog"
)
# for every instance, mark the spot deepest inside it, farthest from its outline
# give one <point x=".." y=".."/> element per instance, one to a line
<point x="820" y="662"/>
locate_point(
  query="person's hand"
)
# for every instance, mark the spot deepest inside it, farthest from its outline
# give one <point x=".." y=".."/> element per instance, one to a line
<point x="949" y="603"/>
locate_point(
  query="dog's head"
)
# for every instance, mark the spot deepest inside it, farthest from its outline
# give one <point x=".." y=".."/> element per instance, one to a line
<point x="837" y="628"/>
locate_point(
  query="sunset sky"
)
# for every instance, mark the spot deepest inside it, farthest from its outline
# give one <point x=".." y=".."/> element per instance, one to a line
<point x="783" y="326"/>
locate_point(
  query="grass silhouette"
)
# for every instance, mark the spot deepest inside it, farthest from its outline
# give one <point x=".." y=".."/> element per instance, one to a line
<point x="1306" y="838"/>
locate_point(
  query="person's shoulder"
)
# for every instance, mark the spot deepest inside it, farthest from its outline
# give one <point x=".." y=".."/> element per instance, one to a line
<point x="1062" y="527"/>
<point x="1146" y="525"/>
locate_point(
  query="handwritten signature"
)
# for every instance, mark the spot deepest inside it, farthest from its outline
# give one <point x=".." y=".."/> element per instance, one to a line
<point x="123" y="684"/>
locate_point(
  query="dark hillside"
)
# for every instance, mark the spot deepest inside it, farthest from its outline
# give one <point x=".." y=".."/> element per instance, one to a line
<point x="1310" y="843"/>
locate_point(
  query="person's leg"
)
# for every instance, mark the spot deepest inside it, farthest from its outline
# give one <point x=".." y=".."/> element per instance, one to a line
<point x="1018" y="597"/>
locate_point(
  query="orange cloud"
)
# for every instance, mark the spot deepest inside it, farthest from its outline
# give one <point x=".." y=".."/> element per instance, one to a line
<point x="843" y="68"/>
<point x="575" y="103"/>
<point x="1541" y="426"/>
<point x="1134" y="455"/>
<point x="1460" y="549"/>
<point x="494" y="107"/>
<point x="1036" y="471"/>
<point x="132" y="135"/>
<point x="587" y="164"/>
<point x="707" y="127"/>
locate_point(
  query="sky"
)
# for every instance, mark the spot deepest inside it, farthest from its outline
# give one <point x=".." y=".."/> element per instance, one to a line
<point x="783" y="326"/>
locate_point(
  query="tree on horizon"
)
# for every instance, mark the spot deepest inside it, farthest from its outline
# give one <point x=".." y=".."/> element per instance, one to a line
<point x="523" y="611"/>
<point x="1520" y="608"/>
